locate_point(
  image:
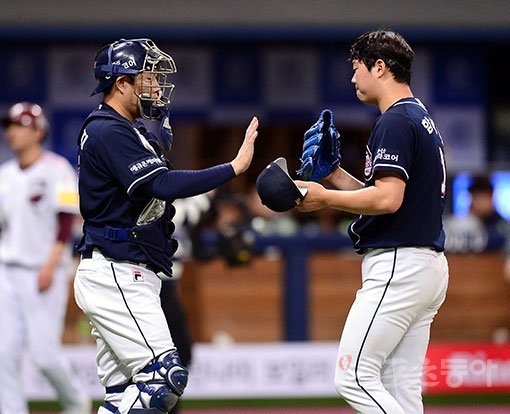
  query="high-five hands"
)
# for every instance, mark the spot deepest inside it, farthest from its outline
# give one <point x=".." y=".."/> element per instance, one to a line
<point x="245" y="154"/>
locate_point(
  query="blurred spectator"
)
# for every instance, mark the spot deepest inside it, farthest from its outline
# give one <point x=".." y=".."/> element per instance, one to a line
<point x="226" y="230"/>
<point x="267" y="222"/>
<point x="233" y="222"/>
<point x="483" y="228"/>
<point x="482" y="207"/>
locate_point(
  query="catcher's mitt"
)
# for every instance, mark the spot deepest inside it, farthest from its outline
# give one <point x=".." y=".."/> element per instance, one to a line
<point x="321" y="149"/>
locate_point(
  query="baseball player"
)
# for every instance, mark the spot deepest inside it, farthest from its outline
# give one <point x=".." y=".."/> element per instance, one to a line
<point x="38" y="202"/>
<point x="399" y="230"/>
<point x="126" y="188"/>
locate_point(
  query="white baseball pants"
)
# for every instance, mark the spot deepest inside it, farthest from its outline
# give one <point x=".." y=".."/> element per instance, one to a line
<point x="122" y="303"/>
<point x="33" y="322"/>
<point x="386" y="334"/>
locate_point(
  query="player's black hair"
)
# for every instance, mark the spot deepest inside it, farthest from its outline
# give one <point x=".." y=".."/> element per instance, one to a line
<point x="387" y="45"/>
<point x="129" y="78"/>
<point x="481" y="184"/>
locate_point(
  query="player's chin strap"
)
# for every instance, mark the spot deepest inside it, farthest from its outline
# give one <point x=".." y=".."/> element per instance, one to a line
<point x="158" y="395"/>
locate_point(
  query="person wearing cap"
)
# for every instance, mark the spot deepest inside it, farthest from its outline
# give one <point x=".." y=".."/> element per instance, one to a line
<point x="38" y="202"/>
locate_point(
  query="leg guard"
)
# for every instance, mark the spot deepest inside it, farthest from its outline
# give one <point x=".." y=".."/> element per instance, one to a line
<point x="163" y="392"/>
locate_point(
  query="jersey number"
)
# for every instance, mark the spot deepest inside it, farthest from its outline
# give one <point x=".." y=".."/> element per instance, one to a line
<point x="443" y="166"/>
<point x="83" y="138"/>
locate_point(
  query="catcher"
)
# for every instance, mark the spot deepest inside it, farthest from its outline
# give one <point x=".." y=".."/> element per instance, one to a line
<point x="127" y="189"/>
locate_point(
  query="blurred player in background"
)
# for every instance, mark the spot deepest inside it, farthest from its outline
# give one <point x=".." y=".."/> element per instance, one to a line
<point x="399" y="232"/>
<point x="38" y="202"/>
<point x="482" y="229"/>
<point x="127" y="187"/>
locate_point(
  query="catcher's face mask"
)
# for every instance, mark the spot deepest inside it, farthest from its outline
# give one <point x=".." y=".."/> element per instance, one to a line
<point x="153" y="89"/>
<point x="276" y="188"/>
<point x="151" y="67"/>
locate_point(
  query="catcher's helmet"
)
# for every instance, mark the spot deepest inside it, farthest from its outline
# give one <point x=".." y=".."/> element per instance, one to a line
<point x="133" y="57"/>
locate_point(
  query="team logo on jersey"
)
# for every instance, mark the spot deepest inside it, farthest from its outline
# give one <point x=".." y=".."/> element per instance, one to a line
<point x="344" y="362"/>
<point x="36" y="198"/>
<point x="384" y="155"/>
<point x="37" y="191"/>
<point x="368" y="163"/>
<point x="140" y="166"/>
<point x="137" y="276"/>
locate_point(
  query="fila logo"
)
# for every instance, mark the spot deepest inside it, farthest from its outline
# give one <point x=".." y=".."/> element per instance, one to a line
<point x="137" y="276"/>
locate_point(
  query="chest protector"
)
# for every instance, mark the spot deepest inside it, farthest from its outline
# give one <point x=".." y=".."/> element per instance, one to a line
<point x="148" y="241"/>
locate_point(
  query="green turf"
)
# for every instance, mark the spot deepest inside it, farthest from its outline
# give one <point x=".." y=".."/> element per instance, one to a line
<point x="467" y="399"/>
<point x="464" y="399"/>
<point x="259" y="403"/>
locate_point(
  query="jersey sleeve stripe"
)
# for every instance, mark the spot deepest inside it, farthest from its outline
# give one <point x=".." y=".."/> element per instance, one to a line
<point x="137" y="181"/>
<point x="386" y="167"/>
<point x="68" y="199"/>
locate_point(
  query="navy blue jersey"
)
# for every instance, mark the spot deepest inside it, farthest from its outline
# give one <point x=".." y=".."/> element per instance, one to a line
<point x="114" y="159"/>
<point x="120" y="173"/>
<point x="405" y="141"/>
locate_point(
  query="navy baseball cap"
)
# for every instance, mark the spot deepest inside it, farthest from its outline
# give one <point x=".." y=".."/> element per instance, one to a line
<point x="276" y="188"/>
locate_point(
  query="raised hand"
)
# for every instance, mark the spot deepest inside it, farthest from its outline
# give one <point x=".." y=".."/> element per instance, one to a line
<point x="245" y="154"/>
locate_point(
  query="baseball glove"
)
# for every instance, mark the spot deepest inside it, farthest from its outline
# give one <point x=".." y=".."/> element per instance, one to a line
<point x="321" y="149"/>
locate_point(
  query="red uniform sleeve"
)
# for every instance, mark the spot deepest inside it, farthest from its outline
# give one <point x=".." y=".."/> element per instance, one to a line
<point x="65" y="227"/>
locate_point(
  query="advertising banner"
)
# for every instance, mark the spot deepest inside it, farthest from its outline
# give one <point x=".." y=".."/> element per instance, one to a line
<point x="301" y="370"/>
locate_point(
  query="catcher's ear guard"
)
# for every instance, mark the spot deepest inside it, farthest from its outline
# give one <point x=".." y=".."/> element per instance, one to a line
<point x="276" y="188"/>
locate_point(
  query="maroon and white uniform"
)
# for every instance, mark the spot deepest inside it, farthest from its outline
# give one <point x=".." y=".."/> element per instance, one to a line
<point x="31" y="200"/>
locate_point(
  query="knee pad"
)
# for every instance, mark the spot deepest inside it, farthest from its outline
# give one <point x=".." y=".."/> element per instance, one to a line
<point x="164" y="391"/>
<point x="175" y="374"/>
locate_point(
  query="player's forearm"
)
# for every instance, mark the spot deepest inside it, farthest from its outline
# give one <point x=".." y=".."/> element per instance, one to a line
<point x="367" y="201"/>
<point x="64" y="234"/>
<point x="187" y="183"/>
<point x="55" y="255"/>
<point x="342" y="180"/>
